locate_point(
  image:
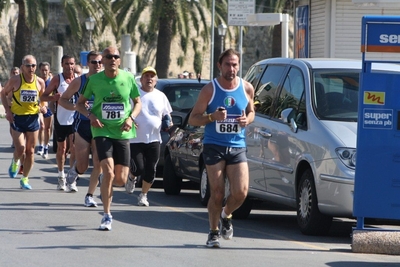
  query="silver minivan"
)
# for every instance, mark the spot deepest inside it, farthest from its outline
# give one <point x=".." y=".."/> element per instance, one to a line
<point x="302" y="143"/>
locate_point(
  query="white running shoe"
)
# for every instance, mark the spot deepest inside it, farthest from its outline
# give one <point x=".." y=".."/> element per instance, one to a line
<point x="40" y="151"/>
<point x="130" y="185"/>
<point x="89" y="202"/>
<point x="71" y="188"/>
<point x="45" y="154"/>
<point x="61" y="183"/>
<point x="142" y="200"/>
<point x="72" y="174"/>
<point x="106" y="222"/>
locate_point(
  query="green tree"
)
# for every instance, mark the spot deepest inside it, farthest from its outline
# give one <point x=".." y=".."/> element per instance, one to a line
<point x="33" y="16"/>
<point x="168" y="18"/>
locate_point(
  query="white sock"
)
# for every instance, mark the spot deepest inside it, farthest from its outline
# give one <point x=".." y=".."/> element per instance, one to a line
<point x="61" y="173"/>
<point x="223" y="214"/>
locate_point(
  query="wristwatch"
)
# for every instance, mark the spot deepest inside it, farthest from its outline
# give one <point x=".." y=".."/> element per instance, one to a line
<point x="133" y="118"/>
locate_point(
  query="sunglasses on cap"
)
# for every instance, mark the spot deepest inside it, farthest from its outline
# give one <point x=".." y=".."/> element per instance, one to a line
<point x="95" y="61"/>
<point x="110" y="56"/>
<point x="30" y="65"/>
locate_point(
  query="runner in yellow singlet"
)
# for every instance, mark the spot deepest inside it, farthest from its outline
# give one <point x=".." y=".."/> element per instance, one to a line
<point x="23" y="115"/>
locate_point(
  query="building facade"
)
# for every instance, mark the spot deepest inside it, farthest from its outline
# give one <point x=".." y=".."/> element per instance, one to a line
<point x="334" y="26"/>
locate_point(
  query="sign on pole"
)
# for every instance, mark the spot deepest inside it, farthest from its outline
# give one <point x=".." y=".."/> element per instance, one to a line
<point x="238" y="11"/>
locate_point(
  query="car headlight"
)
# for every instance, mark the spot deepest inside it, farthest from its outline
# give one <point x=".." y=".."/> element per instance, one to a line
<point x="347" y="156"/>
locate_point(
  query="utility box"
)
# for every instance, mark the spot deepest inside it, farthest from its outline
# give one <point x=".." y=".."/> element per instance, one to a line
<point x="377" y="176"/>
<point x="83" y="58"/>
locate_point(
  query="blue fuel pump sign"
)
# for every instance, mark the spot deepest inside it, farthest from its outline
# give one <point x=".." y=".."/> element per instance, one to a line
<point x="377" y="176"/>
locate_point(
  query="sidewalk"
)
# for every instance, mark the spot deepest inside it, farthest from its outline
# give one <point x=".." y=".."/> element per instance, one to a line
<point x="2" y="111"/>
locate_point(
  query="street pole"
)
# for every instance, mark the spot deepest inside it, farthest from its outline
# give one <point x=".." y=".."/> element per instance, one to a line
<point x="212" y="41"/>
<point x="240" y="50"/>
<point x="90" y="39"/>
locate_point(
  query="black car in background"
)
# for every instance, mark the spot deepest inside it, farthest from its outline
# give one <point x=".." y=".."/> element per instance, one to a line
<point x="181" y="94"/>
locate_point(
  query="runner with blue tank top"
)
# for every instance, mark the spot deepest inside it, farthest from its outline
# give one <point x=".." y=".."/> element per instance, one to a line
<point x="47" y="114"/>
<point x="225" y="107"/>
<point x="84" y="142"/>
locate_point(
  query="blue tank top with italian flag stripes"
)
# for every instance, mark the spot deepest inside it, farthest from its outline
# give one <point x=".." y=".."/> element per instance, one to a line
<point x="227" y="132"/>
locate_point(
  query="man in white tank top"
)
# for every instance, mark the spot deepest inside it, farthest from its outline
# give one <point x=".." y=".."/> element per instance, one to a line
<point x="63" y="119"/>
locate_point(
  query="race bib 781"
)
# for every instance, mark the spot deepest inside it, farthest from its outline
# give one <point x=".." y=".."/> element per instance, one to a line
<point x="112" y="111"/>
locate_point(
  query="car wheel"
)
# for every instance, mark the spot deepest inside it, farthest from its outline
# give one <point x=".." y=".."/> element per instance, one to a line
<point x="204" y="187"/>
<point x="171" y="182"/>
<point x="310" y="220"/>
<point x="244" y="210"/>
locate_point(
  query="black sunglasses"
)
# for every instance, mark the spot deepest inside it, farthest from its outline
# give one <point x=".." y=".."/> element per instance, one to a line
<point x="109" y="56"/>
<point x="95" y="61"/>
<point x="30" y="65"/>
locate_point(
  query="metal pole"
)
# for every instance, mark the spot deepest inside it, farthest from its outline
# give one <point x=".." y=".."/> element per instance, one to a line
<point x="212" y="41"/>
<point x="285" y="35"/>
<point x="240" y="50"/>
<point x="222" y="44"/>
<point x="90" y="39"/>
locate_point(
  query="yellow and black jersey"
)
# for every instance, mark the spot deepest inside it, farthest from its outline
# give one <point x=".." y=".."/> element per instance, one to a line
<point x="25" y="100"/>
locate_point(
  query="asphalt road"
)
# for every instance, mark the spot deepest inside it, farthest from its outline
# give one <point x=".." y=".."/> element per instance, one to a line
<point x="46" y="227"/>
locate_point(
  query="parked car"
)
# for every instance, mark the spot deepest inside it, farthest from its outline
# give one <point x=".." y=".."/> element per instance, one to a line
<point x="301" y="145"/>
<point x="182" y="94"/>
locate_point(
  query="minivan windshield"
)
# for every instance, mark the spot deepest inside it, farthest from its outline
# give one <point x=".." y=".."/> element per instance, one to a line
<point x="335" y="94"/>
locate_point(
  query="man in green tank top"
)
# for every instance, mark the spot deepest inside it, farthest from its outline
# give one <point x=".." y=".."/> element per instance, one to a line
<point x="112" y="120"/>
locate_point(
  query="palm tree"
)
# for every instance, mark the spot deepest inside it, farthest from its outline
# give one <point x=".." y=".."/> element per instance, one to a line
<point x="33" y="16"/>
<point x="168" y="18"/>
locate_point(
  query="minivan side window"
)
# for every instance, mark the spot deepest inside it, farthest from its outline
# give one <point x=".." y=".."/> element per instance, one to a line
<point x="292" y="92"/>
<point x="266" y="91"/>
<point x="254" y="73"/>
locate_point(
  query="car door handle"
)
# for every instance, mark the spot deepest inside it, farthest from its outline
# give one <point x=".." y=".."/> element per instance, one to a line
<point x="265" y="134"/>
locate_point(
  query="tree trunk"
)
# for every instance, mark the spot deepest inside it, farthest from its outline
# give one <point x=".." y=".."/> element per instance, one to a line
<point x="23" y="36"/>
<point x="164" y="40"/>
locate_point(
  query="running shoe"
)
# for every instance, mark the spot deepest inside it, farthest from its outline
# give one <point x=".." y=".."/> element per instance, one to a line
<point x="106" y="222"/>
<point x="213" y="239"/>
<point x="40" y="151"/>
<point x="61" y="183"/>
<point x="142" y="200"/>
<point x="45" y="154"/>
<point x="71" y="188"/>
<point x="72" y="174"/>
<point x="130" y="185"/>
<point x="24" y="183"/>
<point x="14" y="168"/>
<point x="226" y="227"/>
<point x="89" y="202"/>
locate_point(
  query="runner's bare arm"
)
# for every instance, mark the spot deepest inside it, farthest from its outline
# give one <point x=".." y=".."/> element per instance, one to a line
<point x="66" y="96"/>
<point x="53" y="85"/>
<point x="198" y="116"/>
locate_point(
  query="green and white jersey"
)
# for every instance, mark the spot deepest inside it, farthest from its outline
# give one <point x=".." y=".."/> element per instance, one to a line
<point x="111" y="104"/>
